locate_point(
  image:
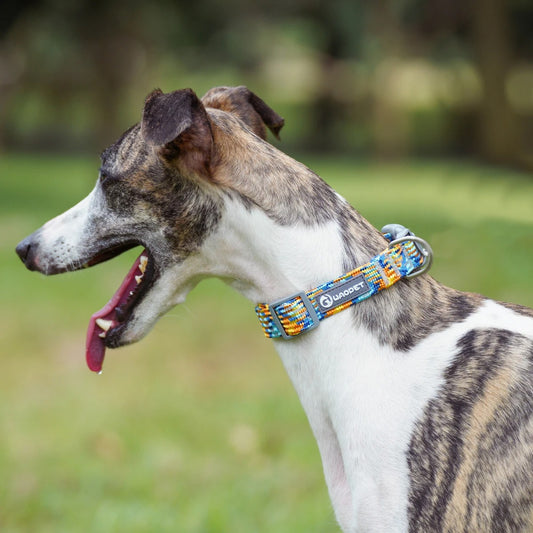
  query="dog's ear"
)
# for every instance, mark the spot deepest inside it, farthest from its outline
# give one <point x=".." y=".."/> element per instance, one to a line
<point x="247" y="106"/>
<point x="177" y="124"/>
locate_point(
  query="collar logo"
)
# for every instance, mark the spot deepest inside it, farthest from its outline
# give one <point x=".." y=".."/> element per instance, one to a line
<point x="326" y="301"/>
<point x="343" y="293"/>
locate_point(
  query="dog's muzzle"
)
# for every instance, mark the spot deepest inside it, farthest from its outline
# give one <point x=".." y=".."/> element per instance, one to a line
<point x="27" y="251"/>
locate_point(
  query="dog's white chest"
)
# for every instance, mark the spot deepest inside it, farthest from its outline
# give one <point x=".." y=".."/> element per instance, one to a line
<point x="362" y="401"/>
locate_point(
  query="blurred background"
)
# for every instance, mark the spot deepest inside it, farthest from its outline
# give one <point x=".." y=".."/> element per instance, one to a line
<point x="417" y="111"/>
<point x="387" y="77"/>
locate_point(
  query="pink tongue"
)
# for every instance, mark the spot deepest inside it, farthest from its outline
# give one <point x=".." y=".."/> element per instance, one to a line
<point x="95" y="346"/>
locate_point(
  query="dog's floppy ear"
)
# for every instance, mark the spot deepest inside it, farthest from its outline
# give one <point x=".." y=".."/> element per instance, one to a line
<point x="247" y="106"/>
<point x="177" y="124"/>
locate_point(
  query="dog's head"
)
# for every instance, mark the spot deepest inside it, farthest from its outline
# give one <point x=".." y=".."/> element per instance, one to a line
<point x="159" y="187"/>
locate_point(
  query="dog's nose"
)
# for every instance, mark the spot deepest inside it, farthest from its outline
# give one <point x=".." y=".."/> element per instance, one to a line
<point x="26" y="251"/>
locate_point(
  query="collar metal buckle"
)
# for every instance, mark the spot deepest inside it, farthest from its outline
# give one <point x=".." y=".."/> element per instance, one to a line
<point x="308" y="307"/>
<point x="425" y="250"/>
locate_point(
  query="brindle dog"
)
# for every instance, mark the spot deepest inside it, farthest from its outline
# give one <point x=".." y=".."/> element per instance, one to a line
<point x="420" y="398"/>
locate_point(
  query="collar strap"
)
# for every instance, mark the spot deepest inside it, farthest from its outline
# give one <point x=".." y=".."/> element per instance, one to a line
<point x="406" y="256"/>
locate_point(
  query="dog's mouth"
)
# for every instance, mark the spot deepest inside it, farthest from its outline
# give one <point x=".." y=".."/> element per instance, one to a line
<point x="106" y="325"/>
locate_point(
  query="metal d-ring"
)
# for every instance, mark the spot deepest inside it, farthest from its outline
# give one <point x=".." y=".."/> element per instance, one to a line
<point x="423" y="247"/>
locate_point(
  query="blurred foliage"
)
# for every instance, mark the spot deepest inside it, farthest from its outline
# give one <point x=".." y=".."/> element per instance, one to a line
<point x="387" y="77"/>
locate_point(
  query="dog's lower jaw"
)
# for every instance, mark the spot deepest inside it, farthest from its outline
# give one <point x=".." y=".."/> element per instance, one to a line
<point x="171" y="289"/>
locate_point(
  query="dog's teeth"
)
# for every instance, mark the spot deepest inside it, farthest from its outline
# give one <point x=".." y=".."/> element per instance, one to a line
<point x="103" y="334"/>
<point x="104" y="324"/>
<point x="143" y="263"/>
<point x="138" y="279"/>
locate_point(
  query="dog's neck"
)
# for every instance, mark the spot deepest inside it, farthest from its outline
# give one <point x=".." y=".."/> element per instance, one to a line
<point x="283" y="229"/>
<point x="267" y="259"/>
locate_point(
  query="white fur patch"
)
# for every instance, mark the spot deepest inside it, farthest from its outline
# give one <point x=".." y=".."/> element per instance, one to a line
<point x="267" y="261"/>
<point x="63" y="239"/>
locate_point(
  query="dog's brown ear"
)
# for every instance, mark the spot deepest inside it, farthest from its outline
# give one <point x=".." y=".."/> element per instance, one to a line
<point x="177" y="124"/>
<point x="247" y="106"/>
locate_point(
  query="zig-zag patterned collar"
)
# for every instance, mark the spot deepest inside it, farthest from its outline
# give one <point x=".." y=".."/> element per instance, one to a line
<point x="406" y="256"/>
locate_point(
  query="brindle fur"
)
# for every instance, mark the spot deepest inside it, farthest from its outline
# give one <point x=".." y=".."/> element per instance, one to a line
<point x="137" y="183"/>
<point x="471" y="454"/>
<point x="471" y="460"/>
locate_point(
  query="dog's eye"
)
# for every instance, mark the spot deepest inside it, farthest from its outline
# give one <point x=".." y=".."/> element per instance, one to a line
<point x="104" y="177"/>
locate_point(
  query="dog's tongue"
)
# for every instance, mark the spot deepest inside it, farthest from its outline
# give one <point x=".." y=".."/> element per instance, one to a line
<point x="106" y="319"/>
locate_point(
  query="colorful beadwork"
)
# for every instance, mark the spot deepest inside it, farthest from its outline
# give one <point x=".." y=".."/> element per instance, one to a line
<point x="393" y="264"/>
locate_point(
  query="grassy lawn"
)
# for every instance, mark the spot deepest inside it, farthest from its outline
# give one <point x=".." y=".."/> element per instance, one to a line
<point x="197" y="428"/>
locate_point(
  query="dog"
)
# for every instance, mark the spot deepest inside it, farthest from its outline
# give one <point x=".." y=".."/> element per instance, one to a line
<point x="420" y="397"/>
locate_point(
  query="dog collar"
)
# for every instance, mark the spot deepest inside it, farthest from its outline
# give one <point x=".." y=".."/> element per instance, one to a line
<point x="406" y="256"/>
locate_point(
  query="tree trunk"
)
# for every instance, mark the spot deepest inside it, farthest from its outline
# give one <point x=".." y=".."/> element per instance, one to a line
<point x="498" y="136"/>
<point x="389" y="120"/>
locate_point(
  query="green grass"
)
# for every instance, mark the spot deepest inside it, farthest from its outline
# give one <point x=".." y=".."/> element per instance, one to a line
<point x="197" y="428"/>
